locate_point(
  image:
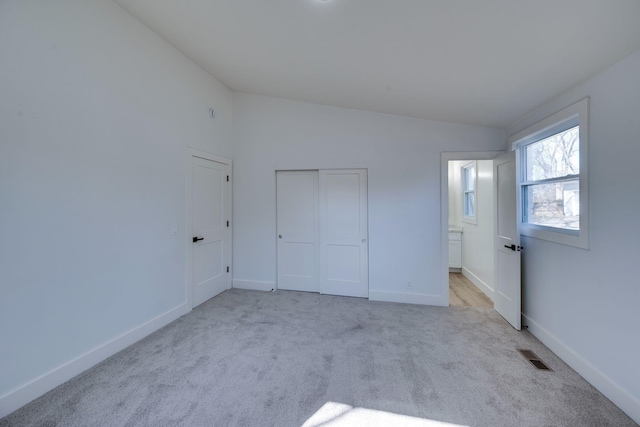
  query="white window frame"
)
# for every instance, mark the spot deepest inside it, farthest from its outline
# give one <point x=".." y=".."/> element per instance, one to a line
<point x="468" y="218"/>
<point x="575" y="114"/>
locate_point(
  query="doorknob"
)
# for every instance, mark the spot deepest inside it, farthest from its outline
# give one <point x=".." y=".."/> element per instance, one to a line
<point x="512" y="247"/>
<point x="279" y="236"/>
<point x="364" y="240"/>
<point x="195" y="239"/>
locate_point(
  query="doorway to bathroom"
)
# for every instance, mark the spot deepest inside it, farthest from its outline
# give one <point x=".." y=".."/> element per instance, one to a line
<point x="468" y="215"/>
<point x="470" y="233"/>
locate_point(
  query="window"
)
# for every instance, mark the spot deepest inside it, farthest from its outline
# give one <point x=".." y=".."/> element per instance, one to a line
<point x="551" y="187"/>
<point x="468" y="173"/>
<point x="552" y="166"/>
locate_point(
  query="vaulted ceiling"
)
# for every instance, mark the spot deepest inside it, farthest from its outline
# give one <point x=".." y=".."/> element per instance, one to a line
<point x="484" y="62"/>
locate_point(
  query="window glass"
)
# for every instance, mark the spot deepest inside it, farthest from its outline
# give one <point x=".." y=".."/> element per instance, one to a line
<point x="469" y="204"/>
<point x="555" y="204"/>
<point x="469" y="195"/>
<point x="555" y="156"/>
<point x="469" y="178"/>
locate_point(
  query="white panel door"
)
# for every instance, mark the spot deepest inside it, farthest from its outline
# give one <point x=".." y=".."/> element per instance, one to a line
<point x="344" y="256"/>
<point x="297" y="228"/>
<point x="507" y="297"/>
<point x="210" y="212"/>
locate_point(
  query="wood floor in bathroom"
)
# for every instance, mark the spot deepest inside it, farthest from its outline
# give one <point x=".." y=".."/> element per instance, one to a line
<point x="462" y="292"/>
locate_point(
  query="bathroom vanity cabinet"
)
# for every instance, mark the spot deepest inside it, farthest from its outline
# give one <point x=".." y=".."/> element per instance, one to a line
<point x="455" y="249"/>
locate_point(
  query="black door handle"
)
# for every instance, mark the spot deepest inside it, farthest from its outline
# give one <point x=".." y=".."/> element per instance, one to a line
<point x="512" y="247"/>
<point x="195" y="239"/>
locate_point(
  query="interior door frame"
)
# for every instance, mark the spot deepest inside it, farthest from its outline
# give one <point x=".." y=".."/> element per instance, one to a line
<point x="188" y="228"/>
<point x="445" y="157"/>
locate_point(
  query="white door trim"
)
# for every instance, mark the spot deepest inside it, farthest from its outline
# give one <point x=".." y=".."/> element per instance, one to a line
<point x="445" y="157"/>
<point x="188" y="229"/>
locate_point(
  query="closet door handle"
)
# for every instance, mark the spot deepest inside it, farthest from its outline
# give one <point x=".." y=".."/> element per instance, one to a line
<point x="512" y="247"/>
<point x="195" y="239"/>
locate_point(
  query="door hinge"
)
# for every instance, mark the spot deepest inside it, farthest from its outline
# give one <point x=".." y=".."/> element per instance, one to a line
<point x="227" y="223"/>
<point x="227" y="268"/>
<point x="227" y="178"/>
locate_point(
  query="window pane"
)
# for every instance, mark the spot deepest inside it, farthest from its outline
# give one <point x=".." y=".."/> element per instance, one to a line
<point x="469" y="178"/>
<point x="469" y="204"/>
<point x="555" y="156"/>
<point x="554" y="205"/>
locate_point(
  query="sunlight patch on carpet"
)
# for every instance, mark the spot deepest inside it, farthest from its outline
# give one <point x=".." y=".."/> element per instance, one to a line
<point x="334" y="414"/>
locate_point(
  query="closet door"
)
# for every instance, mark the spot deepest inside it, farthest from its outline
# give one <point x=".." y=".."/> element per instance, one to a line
<point x="344" y="255"/>
<point x="297" y="228"/>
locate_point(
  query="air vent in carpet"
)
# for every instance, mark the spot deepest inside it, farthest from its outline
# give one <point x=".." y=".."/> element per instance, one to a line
<point x="534" y="359"/>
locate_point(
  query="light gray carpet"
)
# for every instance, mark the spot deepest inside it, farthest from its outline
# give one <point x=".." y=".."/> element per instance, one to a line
<point x="249" y="358"/>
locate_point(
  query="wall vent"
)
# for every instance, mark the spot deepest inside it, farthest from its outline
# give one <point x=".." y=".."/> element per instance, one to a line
<point x="534" y="359"/>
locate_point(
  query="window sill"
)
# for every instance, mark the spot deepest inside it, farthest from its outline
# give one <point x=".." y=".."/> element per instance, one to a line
<point x="470" y="220"/>
<point x="556" y="235"/>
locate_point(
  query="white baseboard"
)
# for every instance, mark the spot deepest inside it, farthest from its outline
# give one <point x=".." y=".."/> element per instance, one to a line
<point x="407" y="298"/>
<point x="620" y="397"/>
<point x="24" y="394"/>
<point x="488" y="290"/>
<point x="254" y="285"/>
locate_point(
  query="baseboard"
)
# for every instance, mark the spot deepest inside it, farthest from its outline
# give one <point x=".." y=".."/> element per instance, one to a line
<point x="620" y="397"/>
<point x="407" y="298"/>
<point x="24" y="394"/>
<point x="254" y="285"/>
<point x="488" y="290"/>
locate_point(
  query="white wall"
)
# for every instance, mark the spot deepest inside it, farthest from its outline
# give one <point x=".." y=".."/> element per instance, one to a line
<point x="95" y="113"/>
<point x="403" y="160"/>
<point x="477" y="239"/>
<point x="455" y="189"/>
<point x="583" y="304"/>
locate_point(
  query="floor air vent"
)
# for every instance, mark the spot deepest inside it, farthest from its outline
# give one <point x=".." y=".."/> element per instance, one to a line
<point x="534" y="359"/>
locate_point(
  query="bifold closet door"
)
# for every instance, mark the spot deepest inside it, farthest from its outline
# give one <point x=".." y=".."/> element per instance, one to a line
<point x="297" y="228"/>
<point x="343" y="233"/>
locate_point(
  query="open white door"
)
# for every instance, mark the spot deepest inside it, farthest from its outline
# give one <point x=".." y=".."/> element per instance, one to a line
<point x="210" y="209"/>
<point x="297" y="225"/>
<point x="344" y="259"/>
<point x="507" y="296"/>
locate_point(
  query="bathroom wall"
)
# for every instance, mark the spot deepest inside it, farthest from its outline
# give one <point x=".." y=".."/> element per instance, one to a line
<point x="477" y="239"/>
<point x="455" y="199"/>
